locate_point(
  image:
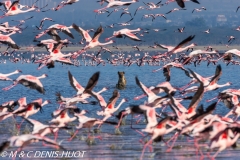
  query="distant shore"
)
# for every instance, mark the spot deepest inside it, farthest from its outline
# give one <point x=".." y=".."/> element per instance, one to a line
<point x="121" y="48"/>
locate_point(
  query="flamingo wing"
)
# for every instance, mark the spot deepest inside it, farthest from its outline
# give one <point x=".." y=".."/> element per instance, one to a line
<point x="33" y="122"/>
<point x="113" y="99"/>
<point x="166" y="73"/>
<point x="218" y="73"/>
<point x="98" y="97"/>
<point x="67" y="32"/>
<point x="74" y="83"/>
<point x="132" y="36"/>
<point x="195" y="1"/>
<point x="33" y="85"/>
<point x="84" y="33"/>
<point x="14" y="6"/>
<point x="97" y="34"/>
<point x="8" y="41"/>
<point x="92" y="81"/>
<point x="144" y="88"/>
<point x="65" y="61"/>
<point x="188" y="39"/>
<point x="198" y="95"/>
<point x="57" y="48"/>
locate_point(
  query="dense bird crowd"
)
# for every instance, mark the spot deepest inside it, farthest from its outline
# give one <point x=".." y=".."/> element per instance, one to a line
<point x="219" y="131"/>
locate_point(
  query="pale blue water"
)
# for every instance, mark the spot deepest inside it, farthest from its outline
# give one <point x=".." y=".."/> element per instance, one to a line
<point x="57" y="80"/>
<point x="127" y="145"/>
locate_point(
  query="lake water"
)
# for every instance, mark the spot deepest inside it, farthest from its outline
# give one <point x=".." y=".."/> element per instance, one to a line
<point x="112" y="146"/>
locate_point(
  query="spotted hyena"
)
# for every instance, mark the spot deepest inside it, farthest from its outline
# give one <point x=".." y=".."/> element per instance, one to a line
<point x="121" y="81"/>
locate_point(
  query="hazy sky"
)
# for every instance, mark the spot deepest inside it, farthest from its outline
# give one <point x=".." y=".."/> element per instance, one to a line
<point x="83" y="11"/>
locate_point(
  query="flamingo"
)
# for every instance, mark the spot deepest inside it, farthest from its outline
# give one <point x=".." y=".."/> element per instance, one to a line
<point x="213" y="83"/>
<point x="141" y="7"/>
<point x="4" y="77"/>
<point x="94" y="42"/>
<point x="153" y="6"/>
<point x="223" y="140"/>
<point x="8" y="106"/>
<point x="29" y="81"/>
<point x="52" y="31"/>
<point x="41" y="22"/>
<point x="86" y="122"/>
<point x="158" y="131"/>
<point x="197" y="52"/>
<point x="5" y="39"/>
<point x="231" y="51"/>
<point x="55" y="55"/>
<point x="175" y="9"/>
<point x="113" y="3"/>
<point x="42" y="129"/>
<point x="177" y="48"/>
<point x="26" y="139"/>
<point x="199" y="9"/>
<point x="14" y="10"/>
<point x="30" y="109"/>
<point x="84" y="33"/>
<point x="126" y="32"/>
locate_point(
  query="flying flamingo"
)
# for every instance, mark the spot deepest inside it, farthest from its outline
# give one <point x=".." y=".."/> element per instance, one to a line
<point x="158" y="131"/>
<point x="14" y="10"/>
<point x="84" y="33"/>
<point x="5" y="39"/>
<point x="7" y="4"/>
<point x="31" y="108"/>
<point x="197" y="52"/>
<point x="113" y="3"/>
<point x="86" y="122"/>
<point x="29" y="81"/>
<point x="41" y="23"/>
<point x="223" y="140"/>
<point x="43" y="129"/>
<point x="94" y="42"/>
<point x="26" y="139"/>
<point x="175" y="9"/>
<point x="126" y="32"/>
<point x="107" y="108"/>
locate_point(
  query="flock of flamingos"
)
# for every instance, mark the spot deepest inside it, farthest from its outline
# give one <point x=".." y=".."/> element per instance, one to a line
<point x="219" y="131"/>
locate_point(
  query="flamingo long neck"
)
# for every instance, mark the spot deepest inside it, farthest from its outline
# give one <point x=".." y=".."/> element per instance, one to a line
<point x="44" y="103"/>
<point x="119" y="105"/>
<point x="42" y="76"/>
<point x="103" y="90"/>
<point x="72" y="119"/>
<point x="223" y="85"/>
<point x="67" y="55"/>
<point x="103" y="44"/>
<point x="209" y="52"/>
<point x="187" y="47"/>
<point x="28" y="10"/>
<point x="135" y="30"/>
<point x="9" y="74"/>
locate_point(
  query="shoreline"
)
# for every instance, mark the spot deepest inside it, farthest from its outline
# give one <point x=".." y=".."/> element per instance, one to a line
<point x="121" y="48"/>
